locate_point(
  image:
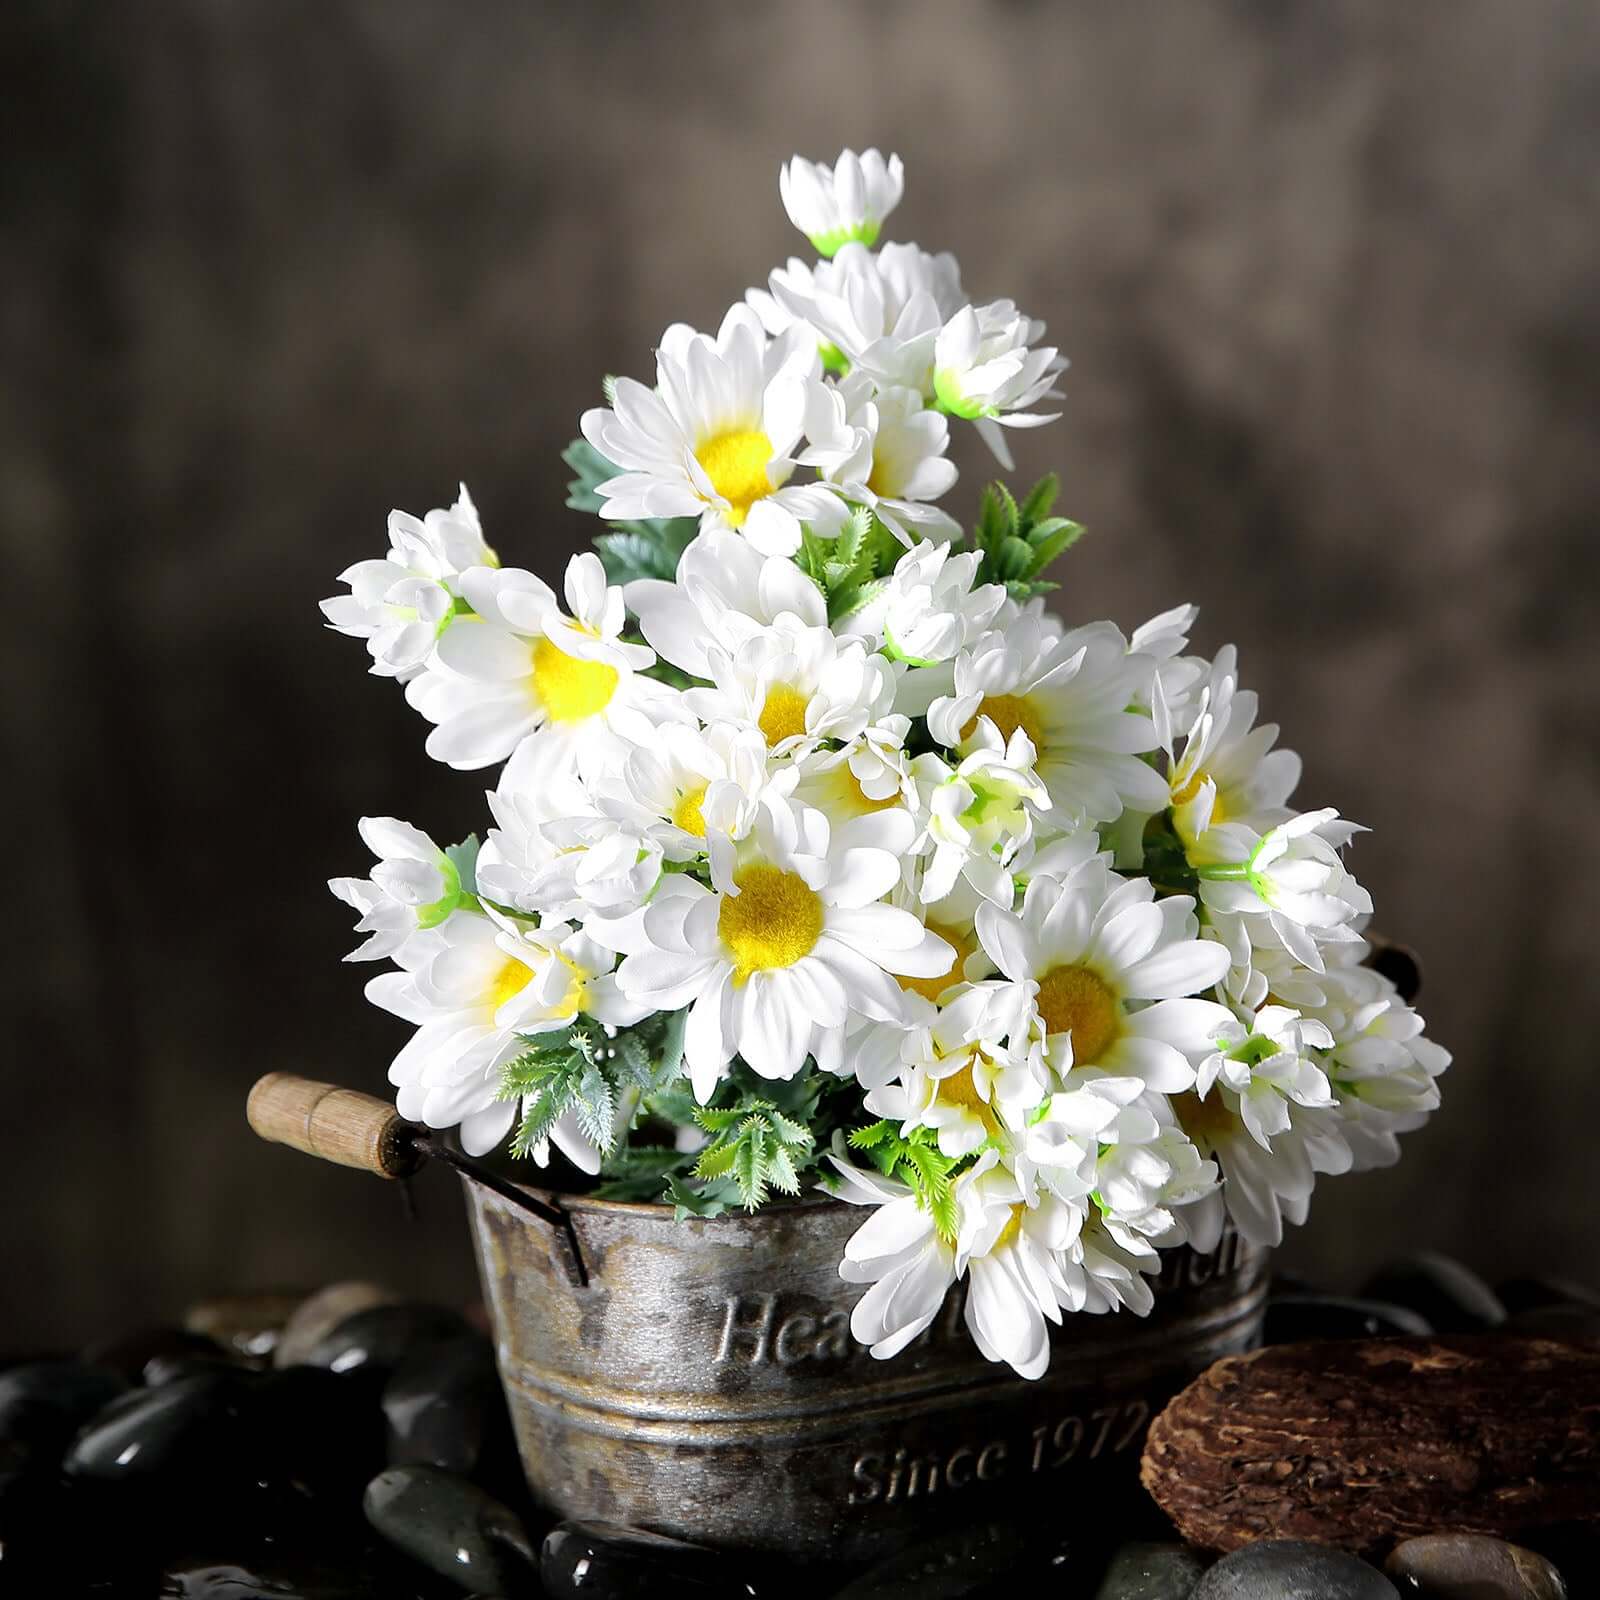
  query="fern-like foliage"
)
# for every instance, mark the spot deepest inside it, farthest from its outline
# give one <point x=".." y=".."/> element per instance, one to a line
<point x="754" y="1146"/>
<point x="847" y="569"/>
<point x="1017" y="542"/>
<point x="583" y="1070"/>
<point x="919" y="1164"/>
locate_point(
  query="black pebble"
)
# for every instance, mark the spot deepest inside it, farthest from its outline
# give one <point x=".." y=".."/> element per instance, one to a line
<point x="1452" y="1297"/>
<point x="452" y="1527"/>
<point x="44" y="1403"/>
<point x="383" y="1336"/>
<point x="444" y="1407"/>
<point x="1292" y="1317"/>
<point x="132" y="1355"/>
<point x="611" y="1562"/>
<point x="182" y="1429"/>
<point x="980" y="1559"/>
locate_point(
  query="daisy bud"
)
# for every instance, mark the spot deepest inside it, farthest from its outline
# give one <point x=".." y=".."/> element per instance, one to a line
<point x="842" y="204"/>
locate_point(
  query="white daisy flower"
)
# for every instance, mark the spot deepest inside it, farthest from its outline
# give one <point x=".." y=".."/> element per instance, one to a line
<point x="522" y="665"/>
<point x="1263" y="1108"/>
<point x="401" y="604"/>
<point x="978" y="816"/>
<point x="716" y="438"/>
<point x="797" y="684"/>
<point x="798" y="942"/>
<point x="1292" y="875"/>
<point x="1084" y="953"/>
<point x="952" y="1075"/>
<point x="872" y="772"/>
<point x="725" y="593"/>
<point x="1227" y="770"/>
<point x="1381" y="1067"/>
<point x="486" y="985"/>
<point x="414" y="887"/>
<point x="515" y="865"/>
<point x="927" y="609"/>
<point x="1070" y="695"/>
<point x="1178" y="678"/>
<point x="882" y="311"/>
<point x="1012" y="1252"/>
<point x="989" y="368"/>
<point x="884" y="449"/>
<point x="897" y="1251"/>
<point x="842" y="204"/>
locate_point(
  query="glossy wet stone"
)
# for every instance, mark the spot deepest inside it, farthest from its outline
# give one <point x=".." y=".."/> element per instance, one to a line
<point x="320" y="1429"/>
<point x="62" y="1538"/>
<point x="452" y="1527"/>
<point x="43" y="1404"/>
<point x="1452" y="1297"/>
<point x="608" y="1562"/>
<point x="335" y="1571"/>
<point x="1470" y="1566"/>
<point x="319" y="1314"/>
<point x="444" y="1407"/>
<point x="1151" y="1572"/>
<point x="1287" y="1569"/>
<point x="383" y="1336"/>
<point x="246" y="1325"/>
<point x="1293" y="1317"/>
<point x="983" y="1558"/>
<point x="1526" y="1294"/>
<point x="132" y="1355"/>
<point x="184" y="1427"/>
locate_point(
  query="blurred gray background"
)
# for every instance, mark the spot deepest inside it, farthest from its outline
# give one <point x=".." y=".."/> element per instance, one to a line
<point x="1329" y="277"/>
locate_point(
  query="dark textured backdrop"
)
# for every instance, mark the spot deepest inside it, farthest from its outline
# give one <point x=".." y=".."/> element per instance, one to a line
<point x="1328" y="278"/>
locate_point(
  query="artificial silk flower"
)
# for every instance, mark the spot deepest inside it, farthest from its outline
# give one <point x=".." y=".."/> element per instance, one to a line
<point x="414" y="887"/>
<point x="1292" y="875"/>
<point x="881" y="311"/>
<point x="883" y="449"/>
<point x="989" y="368"/>
<point x="978" y="816"/>
<point x="951" y="1075"/>
<point x="797" y="685"/>
<point x="1069" y="694"/>
<point x="716" y="438"/>
<point x="927" y="609"/>
<point x="725" y="593"/>
<point x="899" y="1252"/>
<point x="521" y="665"/>
<point x="870" y="772"/>
<point x="798" y="941"/>
<point x="1227" y="770"/>
<point x="1084" y="955"/>
<point x="402" y="603"/>
<point x="842" y="204"/>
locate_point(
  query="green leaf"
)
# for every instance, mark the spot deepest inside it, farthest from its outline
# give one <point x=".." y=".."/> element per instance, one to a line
<point x="1040" y="498"/>
<point x="691" y="1202"/>
<point x="872" y="1135"/>
<point x="750" y="1167"/>
<point x="464" y="858"/>
<point x="715" y="1161"/>
<point x="537" y="1121"/>
<point x="595" y="1106"/>
<point x="1013" y="558"/>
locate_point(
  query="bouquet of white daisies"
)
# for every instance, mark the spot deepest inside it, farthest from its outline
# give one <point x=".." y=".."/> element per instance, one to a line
<point x="824" y="856"/>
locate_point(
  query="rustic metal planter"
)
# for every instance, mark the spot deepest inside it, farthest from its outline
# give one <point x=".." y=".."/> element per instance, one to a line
<point x="698" y="1378"/>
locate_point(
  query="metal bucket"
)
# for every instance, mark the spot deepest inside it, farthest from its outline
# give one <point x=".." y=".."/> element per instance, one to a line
<point x="699" y="1379"/>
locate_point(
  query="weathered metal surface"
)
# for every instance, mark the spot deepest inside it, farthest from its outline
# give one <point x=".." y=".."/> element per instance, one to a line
<point x="704" y="1383"/>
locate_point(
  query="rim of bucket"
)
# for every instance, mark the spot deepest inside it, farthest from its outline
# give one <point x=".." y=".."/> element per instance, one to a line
<point x="577" y="1200"/>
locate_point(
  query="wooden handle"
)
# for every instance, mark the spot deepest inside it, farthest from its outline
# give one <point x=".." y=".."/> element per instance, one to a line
<point x="333" y="1124"/>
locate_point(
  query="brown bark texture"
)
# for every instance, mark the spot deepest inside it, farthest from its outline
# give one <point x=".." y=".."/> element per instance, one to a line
<point x="1363" y="1443"/>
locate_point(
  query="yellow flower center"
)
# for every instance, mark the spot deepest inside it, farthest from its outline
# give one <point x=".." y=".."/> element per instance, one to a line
<point x="959" y="1090"/>
<point x="568" y="689"/>
<point x="686" y="814"/>
<point x="962" y="943"/>
<point x="736" y="464"/>
<point x="1181" y="797"/>
<point x="882" y="479"/>
<point x="1206" y="1121"/>
<point x="513" y="977"/>
<point x="1008" y="712"/>
<point x="774" y="921"/>
<point x="1075" y="1000"/>
<point x="783" y="714"/>
<point x="1008" y="1234"/>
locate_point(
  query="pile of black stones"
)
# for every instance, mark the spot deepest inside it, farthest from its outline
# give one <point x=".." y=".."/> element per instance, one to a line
<point x="351" y="1445"/>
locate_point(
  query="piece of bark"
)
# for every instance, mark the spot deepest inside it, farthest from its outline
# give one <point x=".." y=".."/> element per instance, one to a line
<point x="1361" y="1443"/>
